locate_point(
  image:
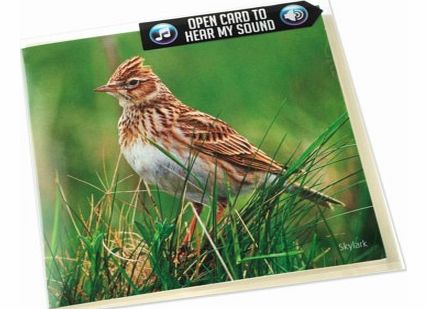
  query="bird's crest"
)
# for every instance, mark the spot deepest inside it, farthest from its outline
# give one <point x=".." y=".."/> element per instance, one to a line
<point x="130" y="68"/>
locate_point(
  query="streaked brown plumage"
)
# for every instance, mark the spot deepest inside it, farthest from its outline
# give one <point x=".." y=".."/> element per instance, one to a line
<point x="153" y="115"/>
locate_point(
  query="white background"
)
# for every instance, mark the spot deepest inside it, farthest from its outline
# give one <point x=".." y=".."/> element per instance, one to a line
<point x="383" y="43"/>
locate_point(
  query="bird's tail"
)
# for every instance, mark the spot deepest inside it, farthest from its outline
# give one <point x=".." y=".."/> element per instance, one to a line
<point x="314" y="196"/>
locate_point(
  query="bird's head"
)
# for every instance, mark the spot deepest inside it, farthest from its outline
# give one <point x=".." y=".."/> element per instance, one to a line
<point x="132" y="83"/>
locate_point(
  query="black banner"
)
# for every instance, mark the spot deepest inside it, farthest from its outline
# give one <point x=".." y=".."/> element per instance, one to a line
<point x="224" y="25"/>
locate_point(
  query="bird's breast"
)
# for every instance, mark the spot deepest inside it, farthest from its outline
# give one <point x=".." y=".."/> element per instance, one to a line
<point x="159" y="169"/>
<point x="146" y="159"/>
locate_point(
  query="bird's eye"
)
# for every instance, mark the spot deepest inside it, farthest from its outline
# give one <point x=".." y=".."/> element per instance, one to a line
<point x="133" y="83"/>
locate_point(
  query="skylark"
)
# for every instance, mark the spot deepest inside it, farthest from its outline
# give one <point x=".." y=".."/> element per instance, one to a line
<point x="170" y="144"/>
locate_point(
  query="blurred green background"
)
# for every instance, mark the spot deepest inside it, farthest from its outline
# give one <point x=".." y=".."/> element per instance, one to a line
<point x="244" y="81"/>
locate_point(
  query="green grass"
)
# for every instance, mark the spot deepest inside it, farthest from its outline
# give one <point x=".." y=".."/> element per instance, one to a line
<point x="127" y="243"/>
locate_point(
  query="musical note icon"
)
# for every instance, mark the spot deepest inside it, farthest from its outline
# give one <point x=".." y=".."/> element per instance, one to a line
<point x="163" y="33"/>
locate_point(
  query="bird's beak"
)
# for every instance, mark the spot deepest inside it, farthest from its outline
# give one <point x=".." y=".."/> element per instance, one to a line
<point x="106" y="88"/>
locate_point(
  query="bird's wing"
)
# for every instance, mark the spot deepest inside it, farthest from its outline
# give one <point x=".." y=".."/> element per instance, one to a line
<point x="216" y="138"/>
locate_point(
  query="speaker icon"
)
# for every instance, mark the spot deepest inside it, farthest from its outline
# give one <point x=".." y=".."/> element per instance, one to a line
<point x="294" y="15"/>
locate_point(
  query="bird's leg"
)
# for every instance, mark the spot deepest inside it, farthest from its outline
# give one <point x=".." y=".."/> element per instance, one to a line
<point x="198" y="207"/>
<point x="222" y="205"/>
<point x="184" y="250"/>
